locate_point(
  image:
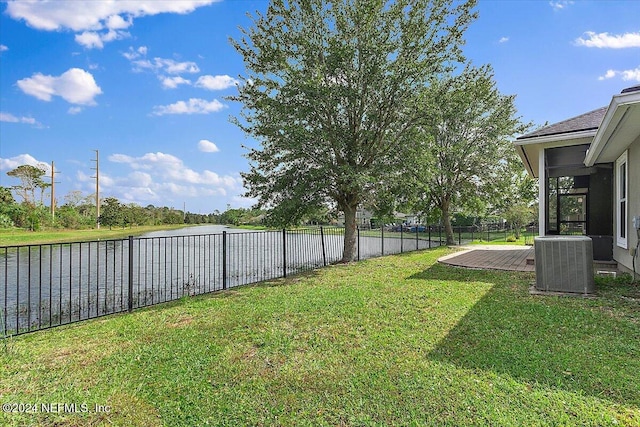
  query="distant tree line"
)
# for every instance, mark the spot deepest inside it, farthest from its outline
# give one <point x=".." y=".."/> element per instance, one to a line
<point x="24" y="206"/>
<point x="78" y="211"/>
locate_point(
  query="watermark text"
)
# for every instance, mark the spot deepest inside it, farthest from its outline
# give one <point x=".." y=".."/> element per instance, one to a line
<point x="54" y="408"/>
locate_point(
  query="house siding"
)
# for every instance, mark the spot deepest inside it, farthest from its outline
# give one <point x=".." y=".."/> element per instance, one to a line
<point x="623" y="256"/>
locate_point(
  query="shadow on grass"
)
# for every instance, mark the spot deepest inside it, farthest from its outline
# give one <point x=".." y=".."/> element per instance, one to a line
<point x="590" y="347"/>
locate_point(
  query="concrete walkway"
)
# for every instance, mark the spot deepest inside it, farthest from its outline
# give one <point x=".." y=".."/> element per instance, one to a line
<point x="498" y="257"/>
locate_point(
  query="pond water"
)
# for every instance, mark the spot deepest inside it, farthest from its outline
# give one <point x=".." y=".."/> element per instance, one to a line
<point x="47" y="285"/>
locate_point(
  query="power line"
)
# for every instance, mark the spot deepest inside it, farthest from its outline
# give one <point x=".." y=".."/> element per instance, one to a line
<point x="53" y="190"/>
<point x="97" y="177"/>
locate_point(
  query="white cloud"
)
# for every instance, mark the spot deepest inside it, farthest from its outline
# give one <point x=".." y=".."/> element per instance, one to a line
<point x="606" y="40"/>
<point x="627" y="75"/>
<point x="168" y="71"/>
<point x="561" y="4"/>
<point x="216" y="82"/>
<point x="117" y="22"/>
<point x="95" y="40"/>
<point x="74" y="110"/>
<point x="10" y="118"/>
<point x="503" y="39"/>
<point x="207" y="146"/>
<point x="120" y="158"/>
<point x="94" y="16"/>
<point x="75" y="86"/>
<point x="140" y="65"/>
<point x="106" y="182"/>
<point x="244" y="202"/>
<point x="148" y="161"/>
<point x="174" y="82"/>
<point x="161" y="65"/>
<point x="172" y="67"/>
<point x="89" y="39"/>
<point x="193" y="106"/>
<point x="161" y="176"/>
<point x="169" y="166"/>
<point x="23" y="159"/>
<point x="631" y="75"/>
<point x="3" y="48"/>
<point x="132" y="54"/>
<point x="609" y="75"/>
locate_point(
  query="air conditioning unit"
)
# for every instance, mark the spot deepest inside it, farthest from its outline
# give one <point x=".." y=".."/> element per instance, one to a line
<point x="564" y="264"/>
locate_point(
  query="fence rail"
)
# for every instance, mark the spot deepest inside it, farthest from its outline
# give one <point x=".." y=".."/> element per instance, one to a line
<point x="43" y="286"/>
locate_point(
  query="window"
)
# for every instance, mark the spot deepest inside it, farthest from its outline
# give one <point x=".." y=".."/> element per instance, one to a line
<point x="621" y="200"/>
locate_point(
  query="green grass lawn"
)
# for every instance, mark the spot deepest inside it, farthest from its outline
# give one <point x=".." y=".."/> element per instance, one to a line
<point x="518" y="242"/>
<point x="399" y="340"/>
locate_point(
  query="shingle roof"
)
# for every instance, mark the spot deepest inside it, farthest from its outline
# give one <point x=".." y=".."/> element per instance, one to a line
<point x="631" y="89"/>
<point x="587" y="121"/>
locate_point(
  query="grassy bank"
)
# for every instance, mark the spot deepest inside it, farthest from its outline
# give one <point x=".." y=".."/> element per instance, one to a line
<point x="17" y="236"/>
<point x="399" y="340"/>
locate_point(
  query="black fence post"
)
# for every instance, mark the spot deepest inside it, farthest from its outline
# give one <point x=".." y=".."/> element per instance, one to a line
<point x="401" y="242"/>
<point x="324" y="253"/>
<point x="429" y="236"/>
<point x="224" y="260"/>
<point x="459" y="236"/>
<point x="417" y="244"/>
<point x="382" y="235"/>
<point x="358" y="233"/>
<point x="284" y="252"/>
<point x="130" y="299"/>
<point x="472" y="234"/>
<point x="439" y="235"/>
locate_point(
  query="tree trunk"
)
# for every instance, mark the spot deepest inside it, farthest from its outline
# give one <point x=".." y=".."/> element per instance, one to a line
<point x="446" y="219"/>
<point x="349" y="251"/>
<point x="516" y="229"/>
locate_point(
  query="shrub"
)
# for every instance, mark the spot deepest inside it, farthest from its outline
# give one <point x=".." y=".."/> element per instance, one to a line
<point x="5" y="221"/>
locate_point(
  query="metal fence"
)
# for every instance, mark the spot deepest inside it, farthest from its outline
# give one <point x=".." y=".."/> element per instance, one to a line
<point x="43" y="286"/>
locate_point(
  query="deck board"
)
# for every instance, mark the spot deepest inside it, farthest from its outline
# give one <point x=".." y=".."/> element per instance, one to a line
<point x="510" y="259"/>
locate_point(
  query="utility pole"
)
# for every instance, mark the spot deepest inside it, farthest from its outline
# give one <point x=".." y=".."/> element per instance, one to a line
<point x="53" y="191"/>
<point x="97" y="177"/>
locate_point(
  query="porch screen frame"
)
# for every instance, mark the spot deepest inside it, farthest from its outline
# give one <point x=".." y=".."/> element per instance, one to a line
<point x="559" y="195"/>
<point x="622" y="205"/>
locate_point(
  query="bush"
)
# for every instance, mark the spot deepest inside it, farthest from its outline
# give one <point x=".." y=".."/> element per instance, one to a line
<point x="512" y="239"/>
<point x="5" y="221"/>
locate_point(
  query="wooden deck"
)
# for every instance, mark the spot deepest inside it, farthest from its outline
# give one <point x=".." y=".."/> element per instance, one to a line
<point x="511" y="258"/>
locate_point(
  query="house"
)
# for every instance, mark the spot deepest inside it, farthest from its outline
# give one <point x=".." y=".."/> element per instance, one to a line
<point x="363" y="218"/>
<point x="589" y="173"/>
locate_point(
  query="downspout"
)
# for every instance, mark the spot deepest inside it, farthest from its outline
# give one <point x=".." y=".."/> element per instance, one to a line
<point x="635" y="255"/>
<point x="542" y="194"/>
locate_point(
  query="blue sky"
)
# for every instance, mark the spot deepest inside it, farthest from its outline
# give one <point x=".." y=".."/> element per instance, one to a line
<point x="144" y="82"/>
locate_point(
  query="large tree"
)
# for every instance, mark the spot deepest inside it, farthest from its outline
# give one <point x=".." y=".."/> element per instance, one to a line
<point x="31" y="178"/>
<point x="462" y="153"/>
<point x="330" y="93"/>
<point x="112" y="213"/>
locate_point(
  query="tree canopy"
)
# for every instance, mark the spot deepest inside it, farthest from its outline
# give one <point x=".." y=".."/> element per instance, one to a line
<point x="331" y="92"/>
<point x="30" y="179"/>
<point x="462" y="151"/>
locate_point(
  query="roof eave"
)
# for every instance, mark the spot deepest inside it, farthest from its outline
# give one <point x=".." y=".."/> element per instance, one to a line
<point x="529" y="149"/>
<point x="610" y="124"/>
<point x="556" y="137"/>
